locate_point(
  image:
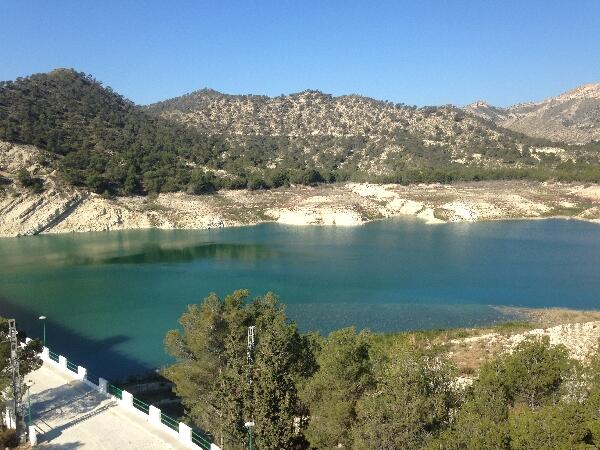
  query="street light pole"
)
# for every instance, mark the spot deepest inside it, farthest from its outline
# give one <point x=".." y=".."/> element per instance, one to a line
<point x="43" y="319"/>
<point x="29" y="407"/>
<point x="249" y="425"/>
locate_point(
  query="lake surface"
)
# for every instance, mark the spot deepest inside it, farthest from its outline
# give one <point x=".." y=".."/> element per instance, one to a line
<point x="110" y="297"/>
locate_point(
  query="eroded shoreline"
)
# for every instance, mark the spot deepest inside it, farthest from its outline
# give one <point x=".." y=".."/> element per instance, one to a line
<point x="61" y="209"/>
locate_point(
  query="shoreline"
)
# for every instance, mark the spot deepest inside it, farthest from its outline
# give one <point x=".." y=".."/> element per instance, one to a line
<point x="63" y="209"/>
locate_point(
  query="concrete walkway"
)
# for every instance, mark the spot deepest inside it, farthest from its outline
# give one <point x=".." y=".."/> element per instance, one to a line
<point x="70" y="415"/>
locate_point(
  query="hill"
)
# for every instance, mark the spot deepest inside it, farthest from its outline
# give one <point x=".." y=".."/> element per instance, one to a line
<point x="95" y="137"/>
<point x="98" y="140"/>
<point x="573" y="116"/>
<point x="365" y="139"/>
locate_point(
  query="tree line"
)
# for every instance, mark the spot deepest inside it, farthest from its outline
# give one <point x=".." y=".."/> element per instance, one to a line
<point x="359" y="390"/>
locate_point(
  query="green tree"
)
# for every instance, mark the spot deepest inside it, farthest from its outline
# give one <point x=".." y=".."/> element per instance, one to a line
<point x="534" y="373"/>
<point x="218" y="387"/>
<point x="256" y="182"/>
<point x="29" y="360"/>
<point x="201" y="183"/>
<point x="208" y="374"/>
<point x="592" y="378"/>
<point x="410" y="404"/>
<point x="282" y="360"/>
<point x="132" y="184"/>
<point x="343" y="375"/>
<point x="34" y="184"/>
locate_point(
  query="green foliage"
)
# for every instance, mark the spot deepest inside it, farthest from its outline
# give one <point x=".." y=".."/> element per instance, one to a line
<point x="256" y="182"/>
<point x="411" y="402"/>
<point x="98" y="133"/>
<point x="100" y="141"/>
<point x="282" y="359"/>
<point x="331" y="394"/>
<point x="212" y="375"/>
<point x="29" y="359"/>
<point x="365" y="391"/>
<point x="470" y="430"/>
<point x="533" y="374"/>
<point x="201" y="183"/>
<point x="551" y="427"/>
<point x="36" y="185"/>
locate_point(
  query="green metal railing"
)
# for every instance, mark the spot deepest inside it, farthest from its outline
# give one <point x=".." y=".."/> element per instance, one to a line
<point x="53" y="356"/>
<point x="72" y="367"/>
<point x="113" y="390"/>
<point x="169" y="421"/>
<point x="143" y="407"/>
<point x="200" y="440"/>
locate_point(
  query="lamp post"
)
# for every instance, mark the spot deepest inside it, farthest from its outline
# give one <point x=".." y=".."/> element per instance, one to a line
<point x="29" y="407"/>
<point x="249" y="425"/>
<point x="43" y="319"/>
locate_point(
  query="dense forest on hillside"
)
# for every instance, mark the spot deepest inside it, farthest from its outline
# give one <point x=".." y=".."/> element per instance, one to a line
<point x="98" y="140"/>
<point x="367" y="391"/>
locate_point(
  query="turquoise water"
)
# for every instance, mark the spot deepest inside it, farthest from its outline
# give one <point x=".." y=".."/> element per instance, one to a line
<point x="110" y="297"/>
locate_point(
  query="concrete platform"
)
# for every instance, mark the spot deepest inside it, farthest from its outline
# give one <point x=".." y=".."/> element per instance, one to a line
<point x="69" y="415"/>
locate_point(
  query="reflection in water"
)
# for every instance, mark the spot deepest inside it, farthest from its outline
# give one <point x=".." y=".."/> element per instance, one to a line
<point x="155" y="253"/>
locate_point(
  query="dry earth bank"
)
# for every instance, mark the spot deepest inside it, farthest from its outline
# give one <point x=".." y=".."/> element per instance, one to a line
<point x="578" y="331"/>
<point x="61" y="208"/>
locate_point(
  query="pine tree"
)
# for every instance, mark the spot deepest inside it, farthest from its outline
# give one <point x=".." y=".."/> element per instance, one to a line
<point x="221" y="390"/>
<point x="344" y="374"/>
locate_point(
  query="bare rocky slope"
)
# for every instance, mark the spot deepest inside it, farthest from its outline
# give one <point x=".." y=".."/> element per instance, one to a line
<point x="63" y="208"/>
<point x="573" y="116"/>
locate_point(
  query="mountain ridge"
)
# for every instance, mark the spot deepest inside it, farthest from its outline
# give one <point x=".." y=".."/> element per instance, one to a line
<point x="572" y="116"/>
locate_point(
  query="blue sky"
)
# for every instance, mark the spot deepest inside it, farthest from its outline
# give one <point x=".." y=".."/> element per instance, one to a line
<point x="417" y="52"/>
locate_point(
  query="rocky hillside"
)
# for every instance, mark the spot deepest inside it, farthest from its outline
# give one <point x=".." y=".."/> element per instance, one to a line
<point x="98" y="141"/>
<point x="352" y="132"/>
<point x="570" y="117"/>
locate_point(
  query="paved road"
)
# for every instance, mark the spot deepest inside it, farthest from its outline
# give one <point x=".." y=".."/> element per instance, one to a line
<point x="70" y="415"/>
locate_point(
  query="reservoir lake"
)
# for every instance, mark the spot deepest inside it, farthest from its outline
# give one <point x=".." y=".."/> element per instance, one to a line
<point x="111" y="296"/>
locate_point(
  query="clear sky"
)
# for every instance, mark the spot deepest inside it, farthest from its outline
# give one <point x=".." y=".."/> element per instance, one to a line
<point x="421" y="52"/>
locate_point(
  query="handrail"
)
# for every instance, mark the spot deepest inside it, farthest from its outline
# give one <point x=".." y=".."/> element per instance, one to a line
<point x="169" y="421"/>
<point x="200" y="440"/>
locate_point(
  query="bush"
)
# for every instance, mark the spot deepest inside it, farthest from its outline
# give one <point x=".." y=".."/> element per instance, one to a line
<point x="550" y="427"/>
<point x="8" y="438"/>
<point x="201" y="183"/>
<point x="34" y="184"/>
<point x="255" y="183"/>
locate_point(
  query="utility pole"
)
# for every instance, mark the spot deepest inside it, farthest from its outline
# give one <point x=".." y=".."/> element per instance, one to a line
<point x="250" y="351"/>
<point x="16" y="380"/>
<point x="250" y="359"/>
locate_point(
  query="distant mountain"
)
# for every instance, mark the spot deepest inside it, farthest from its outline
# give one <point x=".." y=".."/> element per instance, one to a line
<point x="95" y="138"/>
<point x="572" y="117"/>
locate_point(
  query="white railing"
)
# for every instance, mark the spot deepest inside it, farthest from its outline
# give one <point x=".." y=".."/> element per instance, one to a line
<point x="124" y="399"/>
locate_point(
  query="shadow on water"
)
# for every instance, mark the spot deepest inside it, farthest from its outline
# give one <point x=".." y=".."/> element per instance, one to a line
<point x="100" y="357"/>
<point x="154" y="253"/>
